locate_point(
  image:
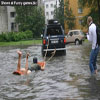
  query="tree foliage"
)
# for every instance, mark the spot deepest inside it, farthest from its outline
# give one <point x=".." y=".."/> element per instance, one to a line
<point x="69" y="17"/>
<point x="94" y="6"/>
<point x="59" y="12"/>
<point x="30" y="18"/>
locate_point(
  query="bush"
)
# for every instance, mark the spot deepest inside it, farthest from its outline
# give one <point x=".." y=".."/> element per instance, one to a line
<point x="2" y="37"/>
<point x="16" y="36"/>
<point x="29" y="34"/>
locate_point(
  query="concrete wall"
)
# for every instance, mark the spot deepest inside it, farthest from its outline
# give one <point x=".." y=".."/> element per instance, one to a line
<point x="49" y="11"/>
<point x="12" y="26"/>
<point x="3" y="19"/>
<point x="75" y="8"/>
<point x="7" y="22"/>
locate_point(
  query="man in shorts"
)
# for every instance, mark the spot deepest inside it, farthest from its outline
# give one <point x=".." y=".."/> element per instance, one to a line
<point x="35" y="66"/>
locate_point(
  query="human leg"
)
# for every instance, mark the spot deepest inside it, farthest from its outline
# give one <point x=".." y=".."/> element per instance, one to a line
<point x="91" y="62"/>
<point x="25" y="70"/>
<point x="19" y="60"/>
<point x="95" y="59"/>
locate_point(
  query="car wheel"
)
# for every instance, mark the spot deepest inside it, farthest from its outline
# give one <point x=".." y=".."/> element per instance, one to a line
<point x="77" y="42"/>
<point x="64" y="52"/>
<point x="43" y="53"/>
<point x="81" y="42"/>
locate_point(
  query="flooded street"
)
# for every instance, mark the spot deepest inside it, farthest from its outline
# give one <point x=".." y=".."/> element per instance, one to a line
<point x="64" y="78"/>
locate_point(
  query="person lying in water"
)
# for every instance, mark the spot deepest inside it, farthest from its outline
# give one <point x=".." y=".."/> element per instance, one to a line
<point x="35" y="65"/>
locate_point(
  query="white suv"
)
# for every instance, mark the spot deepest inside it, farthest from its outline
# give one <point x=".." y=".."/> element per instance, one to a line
<point x="75" y="36"/>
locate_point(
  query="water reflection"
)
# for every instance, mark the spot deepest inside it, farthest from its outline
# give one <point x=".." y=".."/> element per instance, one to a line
<point x="65" y="77"/>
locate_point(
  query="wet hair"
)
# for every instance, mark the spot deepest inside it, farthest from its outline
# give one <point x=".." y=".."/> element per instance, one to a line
<point x="89" y="19"/>
<point x="35" y="60"/>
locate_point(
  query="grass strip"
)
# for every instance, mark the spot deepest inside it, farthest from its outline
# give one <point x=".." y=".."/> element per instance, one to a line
<point x="24" y="42"/>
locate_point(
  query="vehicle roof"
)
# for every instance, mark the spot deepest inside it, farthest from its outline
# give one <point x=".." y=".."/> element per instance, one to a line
<point x="74" y="30"/>
<point x="53" y="24"/>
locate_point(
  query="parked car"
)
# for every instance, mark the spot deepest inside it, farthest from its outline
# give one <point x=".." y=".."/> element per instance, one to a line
<point x="53" y="38"/>
<point x="75" y="36"/>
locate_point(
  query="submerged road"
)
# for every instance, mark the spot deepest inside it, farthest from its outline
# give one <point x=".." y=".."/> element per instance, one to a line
<point x="65" y="77"/>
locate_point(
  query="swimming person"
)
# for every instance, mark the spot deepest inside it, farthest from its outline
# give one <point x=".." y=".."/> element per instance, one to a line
<point x="35" y="66"/>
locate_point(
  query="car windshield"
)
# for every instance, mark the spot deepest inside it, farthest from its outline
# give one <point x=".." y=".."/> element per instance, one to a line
<point x="81" y="33"/>
<point x="54" y="30"/>
<point x="76" y="32"/>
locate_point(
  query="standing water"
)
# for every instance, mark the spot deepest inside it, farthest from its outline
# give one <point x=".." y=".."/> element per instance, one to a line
<point x="64" y="78"/>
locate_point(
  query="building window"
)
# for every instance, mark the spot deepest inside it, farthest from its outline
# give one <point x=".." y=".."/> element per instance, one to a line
<point x="12" y="26"/>
<point x="80" y="10"/>
<point x="52" y="13"/>
<point x="55" y="6"/>
<point x="52" y="5"/>
<point x="47" y="13"/>
<point x="47" y="5"/>
<point x="12" y="14"/>
<point x="40" y="1"/>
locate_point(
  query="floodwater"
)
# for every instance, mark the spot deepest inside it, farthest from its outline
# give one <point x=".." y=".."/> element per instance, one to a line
<point x="64" y="78"/>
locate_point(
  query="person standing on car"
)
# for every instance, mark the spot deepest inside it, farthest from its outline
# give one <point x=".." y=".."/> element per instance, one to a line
<point x="92" y="37"/>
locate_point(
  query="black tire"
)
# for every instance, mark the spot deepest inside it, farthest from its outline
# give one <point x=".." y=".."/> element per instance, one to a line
<point x="43" y="53"/>
<point x="81" y="42"/>
<point x="64" y="52"/>
<point x="77" y="42"/>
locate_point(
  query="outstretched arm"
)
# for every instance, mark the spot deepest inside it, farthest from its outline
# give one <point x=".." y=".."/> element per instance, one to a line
<point x="42" y="65"/>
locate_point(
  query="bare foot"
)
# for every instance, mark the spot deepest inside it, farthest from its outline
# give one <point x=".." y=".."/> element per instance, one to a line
<point x="19" y="52"/>
<point x="96" y="71"/>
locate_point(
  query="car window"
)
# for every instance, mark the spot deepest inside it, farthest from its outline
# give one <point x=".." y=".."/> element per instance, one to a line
<point x="54" y="30"/>
<point x="71" y="33"/>
<point x="76" y="32"/>
<point x="81" y="33"/>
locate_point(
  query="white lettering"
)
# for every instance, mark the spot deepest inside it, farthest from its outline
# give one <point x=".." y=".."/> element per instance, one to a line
<point x="27" y="3"/>
<point x="12" y="3"/>
<point x="5" y="3"/>
<point x="34" y="3"/>
<point x="17" y="3"/>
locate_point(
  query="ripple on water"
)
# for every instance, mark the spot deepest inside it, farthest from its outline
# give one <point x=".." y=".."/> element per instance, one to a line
<point x="65" y="77"/>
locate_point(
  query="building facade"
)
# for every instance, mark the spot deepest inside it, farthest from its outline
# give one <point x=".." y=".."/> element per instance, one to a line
<point x="79" y="13"/>
<point x="7" y="19"/>
<point x="3" y="19"/>
<point x="40" y="3"/>
<point x="12" y="26"/>
<point x="49" y="7"/>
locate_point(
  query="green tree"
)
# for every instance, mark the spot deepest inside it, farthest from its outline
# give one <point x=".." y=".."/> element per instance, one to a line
<point x="94" y="6"/>
<point x="30" y="18"/>
<point x="59" y="12"/>
<point x="69" y="17"/>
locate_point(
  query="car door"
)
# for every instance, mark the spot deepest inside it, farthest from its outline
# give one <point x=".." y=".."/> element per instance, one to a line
<point x="76" y="35"/>
<point x="70" y="37"/>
